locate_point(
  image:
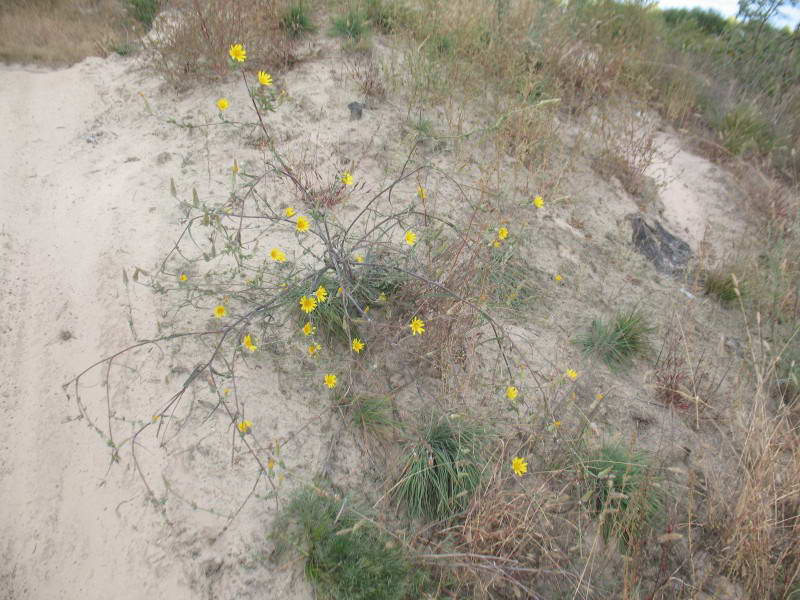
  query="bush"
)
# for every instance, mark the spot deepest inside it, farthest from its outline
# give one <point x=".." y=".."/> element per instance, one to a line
<point x="618" y="341"/>
<point x="441" y="470"/>
<point x="744" y="129"/>
<point x="346" y="555"/>
<point x="296" y="20"/>
<point x="144" y="11"/>
<point x="622" y="493"/>
<point x="721" y="286"/>
<point x="352" y="24"/>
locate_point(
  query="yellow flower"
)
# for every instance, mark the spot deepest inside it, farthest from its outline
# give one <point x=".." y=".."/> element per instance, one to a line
<point x="520" y="466"/>
<point x="321" y="294"/>
<point x="556" y="424"/>
<point x="357" y="345"/>
<point x="277" y="255"/>
<point x="572" y="374"/>
<point x="330" y="380"/>
<point x="511" y="392"/>
<point x="307" y="304"/>
<point x="538" y="202"/>
<point x="339" y="291"/>
<point x="347" y="178"/>
<point x="226" y="392"/>
<point x="183" y="277"/>
<point x="222" y="104"/>
<point x="421" y="193"/>
<point x="558" y="277"/>
<point x="238" y="53"/>
<point x="600" y="396"/>
<point x="289" y="212"/>
<point x="496" y="243"/>
<point x="309" y="329"/>
<point x="417" y="326"/>
<point x="235" y="167"/>
<point x="382" y="297"/>
<point x="502" y="233"/>
<point x="411" y="238"/>
<point x="220" y="311"/>
<point x="264" y="78"/>
<point x="303" y="224"/>
<point x="313" y="349"/>
<point x="271" y="464"/>
<point x="245" y="426"/>
<point x="247" y="342"/>
<point x="359" y="259"/>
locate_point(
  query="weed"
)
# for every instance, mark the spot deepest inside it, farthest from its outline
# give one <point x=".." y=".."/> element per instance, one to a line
<point x="296" y="21"/>
<point x="352" y="24"/>
<point x="441" y="470"/>
<point x="144" y="11"/>
<point x="619" y="341"/>
<point x="510" y="281"/>
<point x="372" y="413"/>
<point x="346" y="555"/>
<point x="622" y="493"/>
<point x="743" y="129"/>
<point x="387" y="16"/>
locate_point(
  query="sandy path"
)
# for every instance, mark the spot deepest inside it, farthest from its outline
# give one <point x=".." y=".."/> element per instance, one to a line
<point x="69" y="215"/>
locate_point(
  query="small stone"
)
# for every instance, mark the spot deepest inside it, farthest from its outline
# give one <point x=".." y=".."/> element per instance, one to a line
<point x="356" y="110"/>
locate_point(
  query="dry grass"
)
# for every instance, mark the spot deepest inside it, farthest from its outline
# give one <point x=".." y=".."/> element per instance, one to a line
<point x="62" y="32"/>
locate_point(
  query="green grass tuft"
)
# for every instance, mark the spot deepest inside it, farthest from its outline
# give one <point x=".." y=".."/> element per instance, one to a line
<point x="372" y="413"/>
<point x="442" y="470"/>
<point x="721" y="286"/>
<point x="623" y="493"/>
<point x="144" y="11"/>
<point x="352" y="24"/>
<point x="296" y="21"/>
<point x="619" y="341"/>
<point x="346" y="555"/>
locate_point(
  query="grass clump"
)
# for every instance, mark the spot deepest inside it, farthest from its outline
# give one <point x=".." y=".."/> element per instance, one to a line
<point x="744" y="129"/>
<point x="296" y="21"/>
<point x="619" y="341"/>
<point x="144" y="11"/>
<point x="346" y="555"/>
<point x="622" y="492"/>
<point x="372" y="413"/>
<point x="442" y="470"/>
<point x="352" y="24"/>
<point x="722" y="286"/>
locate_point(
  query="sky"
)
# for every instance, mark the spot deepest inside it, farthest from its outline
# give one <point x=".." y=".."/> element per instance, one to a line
<point x="729" y="8"/>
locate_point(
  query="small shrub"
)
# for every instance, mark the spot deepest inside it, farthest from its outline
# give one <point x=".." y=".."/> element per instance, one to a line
<point x="352" y="25"/>
<point x="144" y="11"/>
<point x="622" y="493"/>
<point x="387" y="16"/>
<point x="346" y="555"/>
<point x="721" y="286"/>
<point x="372" y="413"/>
<point x="296" y="20"/>
<point x="441" y="470"/>
<point x="743" y="129"/>
<point x="619" y="341"/>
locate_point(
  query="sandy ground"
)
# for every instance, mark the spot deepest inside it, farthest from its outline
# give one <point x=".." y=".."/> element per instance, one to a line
<point x="84" y="194"/>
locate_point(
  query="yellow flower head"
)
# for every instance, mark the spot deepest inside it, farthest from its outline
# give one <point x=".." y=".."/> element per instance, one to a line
<point x="271" y="464"/>
<point x="309" y="329"/>
<point x="226" y="392"/>
<point x="330" y="380"/>
<point x="538" y="202"/>
<point x="314" y="348"/>
<point x="357" y="345"/>
<point x="307" y="304"/>
<point x="247" y="342"/>
<point x="600" y="396"/>
<point x="347" y="178"/>
<point x="220" y="311"/>
<point x="222" y="104"/>
<point x="238" y="53"/>
<point x="572" y="374"/>
<point x="421" y="193"/>
<point x="496" y="243"/>
<point x="303" y="224"/>
<point x="558" y="277"/>
<point x="277" y="255"/>
<point x="359" y="258"/>
<point x="411" y="238"/>
<point x="245" y="426"/>
<point x="264" y="78"/>
<point x="183" y="277"/>
<point x="321" y="294"/>
<point x="289" y="212"/>
<point x="556" y="424"/>
<point x="502" y="233"/>
<point x="382" y="297"/>
<point x="520" y="466"/>
<point x="511" y="392"/>
<point x="417" y="326"/>
<point x="235" y="167"/>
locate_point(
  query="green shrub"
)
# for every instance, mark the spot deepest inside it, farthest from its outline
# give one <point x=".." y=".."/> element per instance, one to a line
<point x="721" y="286"/>
<point x="442" y="470"/>
<point x="372" y="413"/>
<point x="296" y="20"/>
<point x="346" y="555"/>
<point x="619" y="341"/>
<point x="622" y="492"/>
<point x="743" y="129"/>
<point x="387" y="16"/>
